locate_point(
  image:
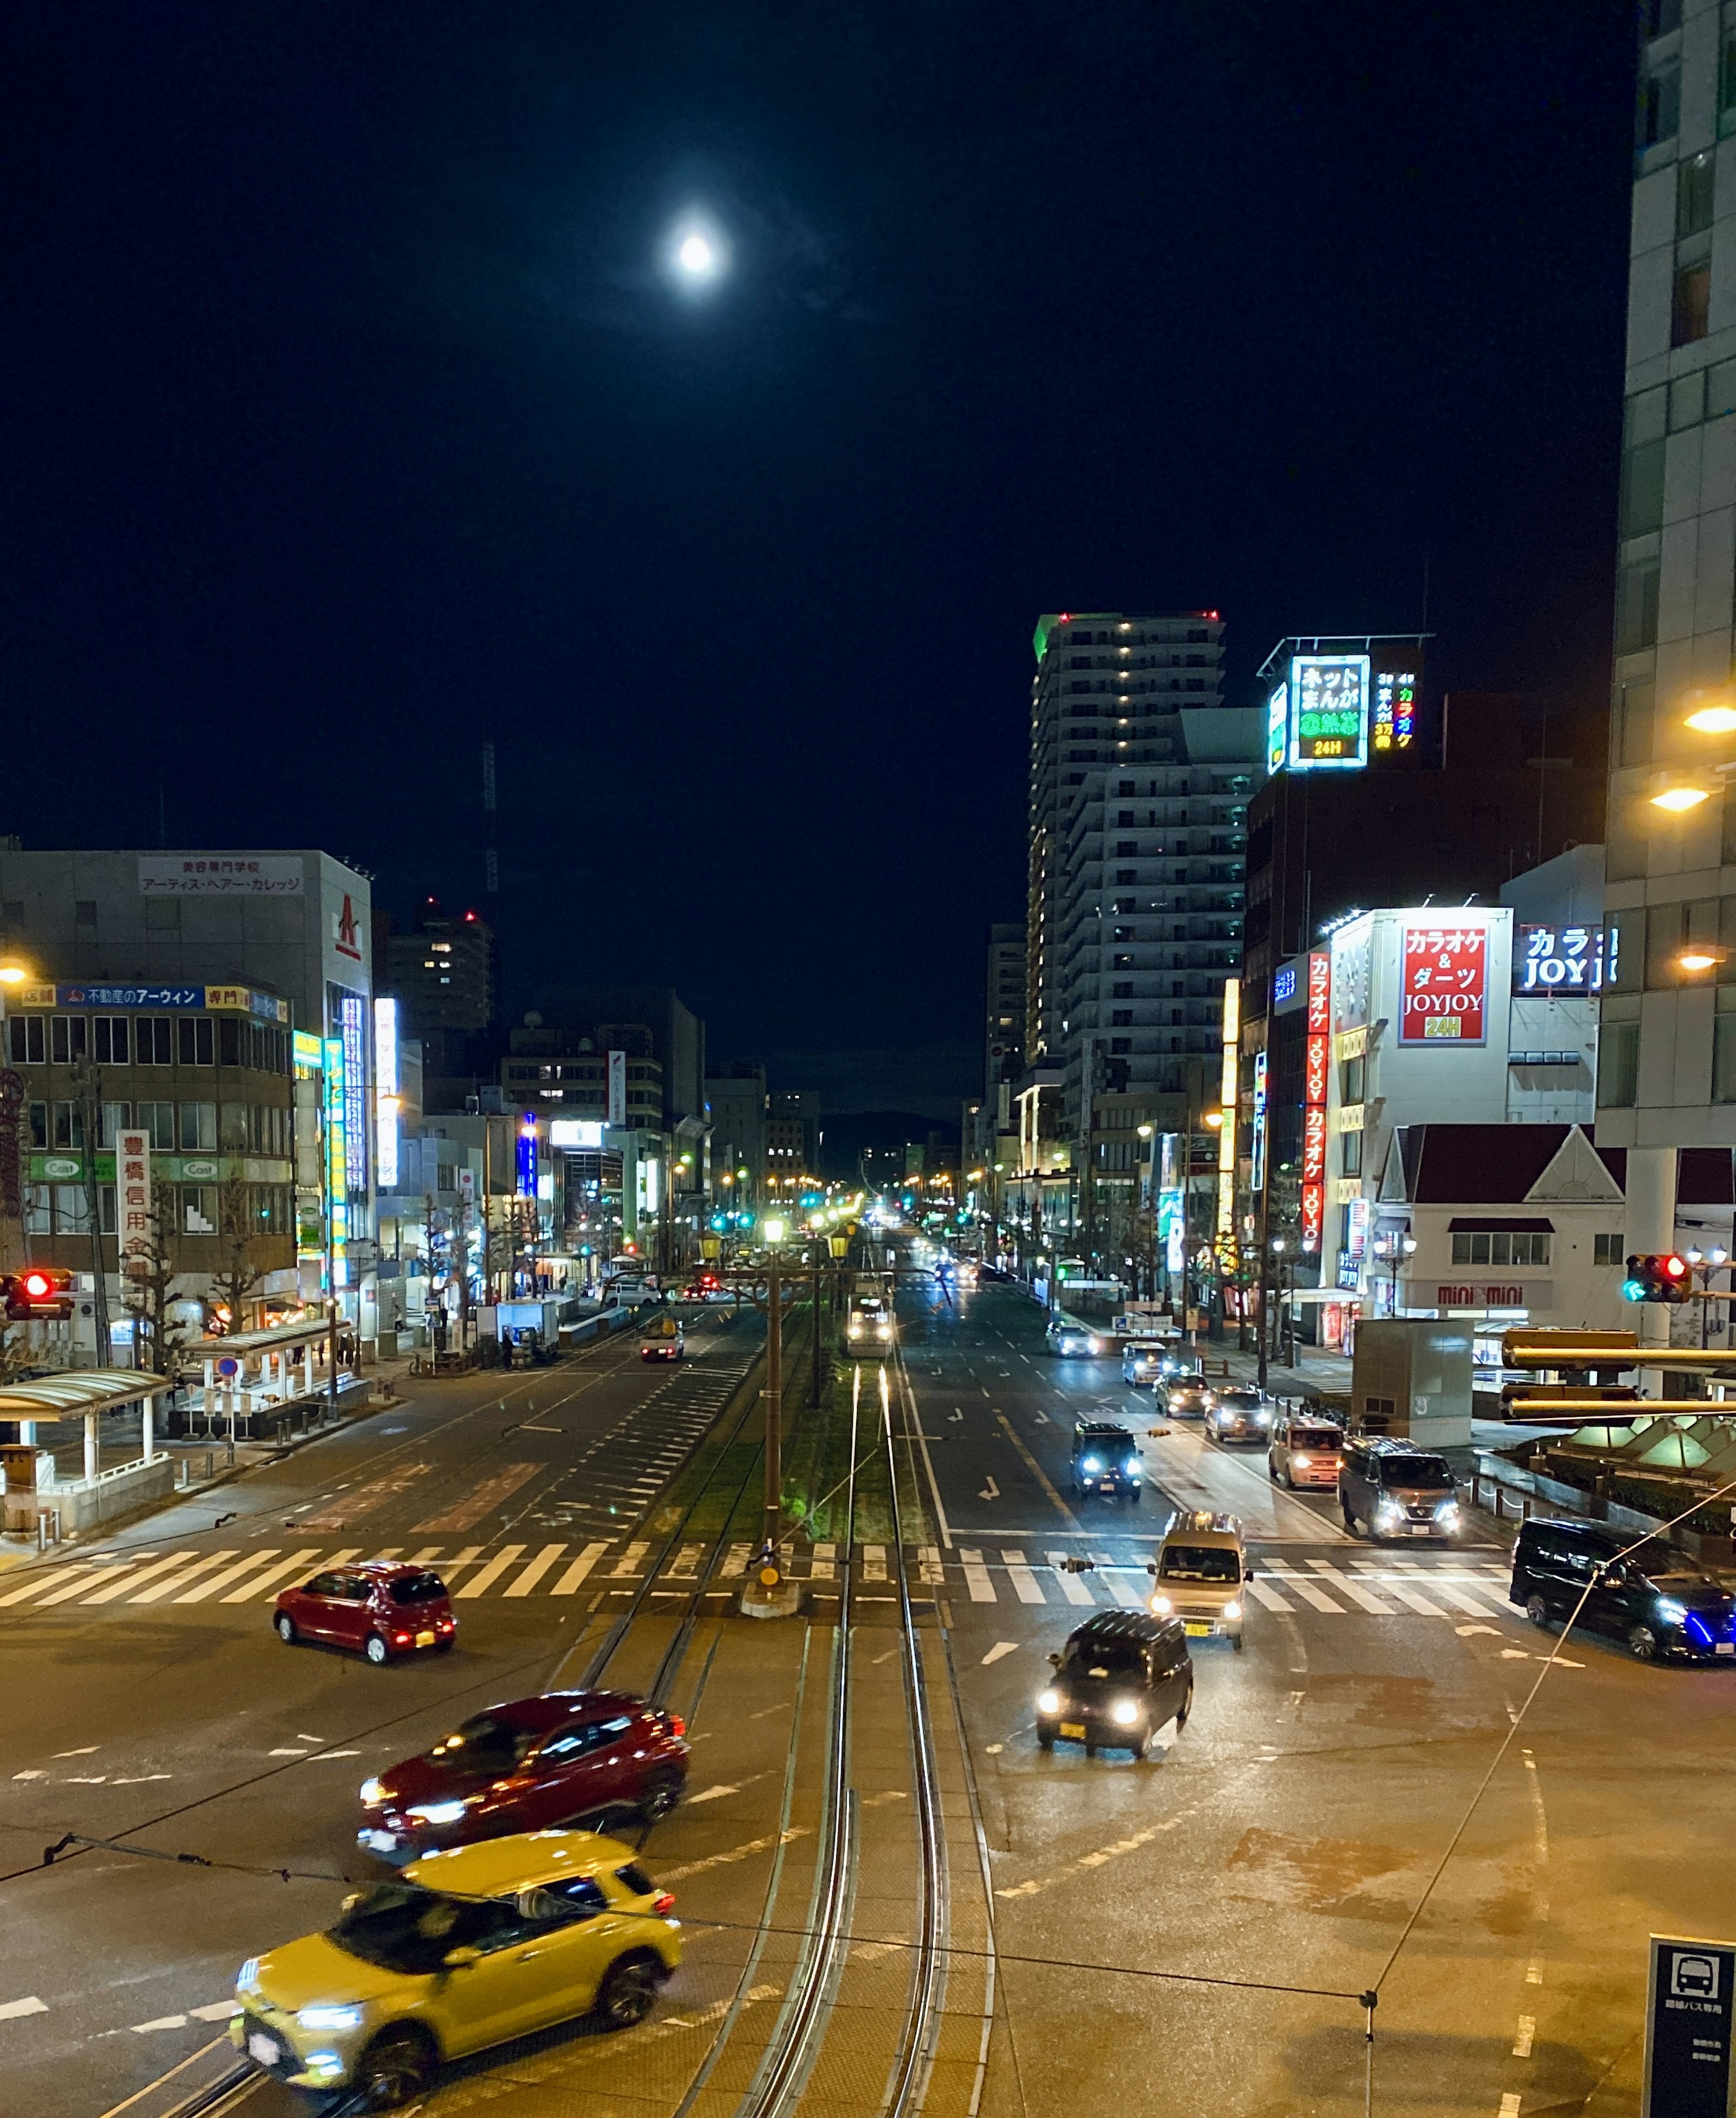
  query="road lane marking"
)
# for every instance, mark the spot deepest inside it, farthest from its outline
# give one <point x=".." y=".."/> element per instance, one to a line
<point x="734" y="1853"/>
<point x="364" y="1499"/>
<point x="9" y="2010"/>
<point x="1024" y="1581"/>
<point x="201" y="1589"/>
<point x="582" y="1565"/>
<point x="86" y="1750"/>
<point x="492" y="1573"/>
<point x="976" y="1576"/>
<point x="1522" y="2041"/>
<point x="467" y="1512"/>
<point x="158" y="1589"/>
<point x="823" y="1564"/>
<point x="261" y="1582"/>
<point x="1000" y="1648"/>
<point x="1072" y="1587"/>
<point x="628" y="1563"/>
<point x="87" y="1576"/>
<point x="1111" y="1571"/>
<point x="1269" y="1597"/>
<point x="990" y="1490"/>
<point x="1036" y="1470"/>
<point x="535" y="1571"/>
<point x="874" y="1562"/>
<point x="1510" y="2105"/>
<point x="928" y="1566"/>
<point x="66" y="1593"/>
<point x="1413" y="1599"/>
<point x="1304" y="1588"/>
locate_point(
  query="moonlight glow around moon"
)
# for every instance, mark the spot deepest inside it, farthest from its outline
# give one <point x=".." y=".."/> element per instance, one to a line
<point x="698" y="256"/>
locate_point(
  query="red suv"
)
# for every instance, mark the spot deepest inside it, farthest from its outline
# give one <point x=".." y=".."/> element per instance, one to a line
<point x="382" y="1607"/>
<point x="562" y="1758"/>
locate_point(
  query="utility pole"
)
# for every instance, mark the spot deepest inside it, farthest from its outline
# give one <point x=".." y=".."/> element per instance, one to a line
<point x="773" y="1509"/>
<point x="818" y="1289"/>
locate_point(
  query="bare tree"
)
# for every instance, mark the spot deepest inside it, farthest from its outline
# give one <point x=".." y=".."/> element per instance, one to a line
<point x="239" y="1275"/>
<point x="150" y="1292"/>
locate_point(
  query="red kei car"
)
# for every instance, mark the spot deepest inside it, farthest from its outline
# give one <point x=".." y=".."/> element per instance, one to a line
<point x="562" y="1758"/>
<point x="381" y="1607"/>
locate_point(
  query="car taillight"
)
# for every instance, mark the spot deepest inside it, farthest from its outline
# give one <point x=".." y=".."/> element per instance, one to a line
<point x="663" y="1903"/>
<point x="675" y="1724"/>
<point x="400" y="1639"/>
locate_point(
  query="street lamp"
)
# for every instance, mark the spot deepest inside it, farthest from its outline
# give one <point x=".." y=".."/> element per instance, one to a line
<point x="1395" y="1246"/>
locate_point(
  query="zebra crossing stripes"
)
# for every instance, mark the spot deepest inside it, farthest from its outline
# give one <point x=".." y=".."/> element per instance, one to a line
<point x="568" y="1585"/>
<point x="976" y="1576"/>
<point x="484" y="1578"/>
<point x="1073" y="1588"/>
<point x="270" y="1582"/>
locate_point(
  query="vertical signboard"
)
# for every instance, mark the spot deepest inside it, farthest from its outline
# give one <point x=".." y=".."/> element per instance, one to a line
<point x="1328" y="712"/>
<point x="1228" y="1102"/>
<point x="1277" y="728"/>
<point x="1445" y="985"/>
<point x="387" y="1101"/>
<point x="1316" y="1066"/>
<point x="132" y="1203"/>
<point x="1395" y="710"/>
<point x="351" y="1023"/>
<point x="1258" y="1176"/>
<point x="337" y="1155"/>
<point x="617" y="1088"/>
<point x="1687" y="2028"/>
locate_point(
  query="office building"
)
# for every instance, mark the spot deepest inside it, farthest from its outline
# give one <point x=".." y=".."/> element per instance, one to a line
<point x="1667" y="1066"/>
<point x="1004" y="1008"/>
<point x="444" y="976"/>
<point x="1140" y="777"/>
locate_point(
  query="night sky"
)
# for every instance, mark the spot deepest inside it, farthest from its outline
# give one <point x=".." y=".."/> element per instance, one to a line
<point x="347" y="408"/>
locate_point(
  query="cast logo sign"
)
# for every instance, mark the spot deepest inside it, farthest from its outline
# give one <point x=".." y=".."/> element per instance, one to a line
<point x="1445" y="985"/>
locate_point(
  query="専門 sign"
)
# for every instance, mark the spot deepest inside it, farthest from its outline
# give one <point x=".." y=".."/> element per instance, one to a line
<point x="1445" y="988"/>
<point x="1564" y="959"/>
<point x="1328" y="711"/>
<point x="220" y="875"/>
<point x="1687" y="2028"/>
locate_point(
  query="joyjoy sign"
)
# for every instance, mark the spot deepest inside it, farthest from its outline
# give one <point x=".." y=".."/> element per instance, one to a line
<point x="1446" y="985"/>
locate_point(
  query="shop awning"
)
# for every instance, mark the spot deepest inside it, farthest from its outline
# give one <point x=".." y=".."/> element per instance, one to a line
<point x="1347" y="1297"/>
<point x="71" y="1395"/>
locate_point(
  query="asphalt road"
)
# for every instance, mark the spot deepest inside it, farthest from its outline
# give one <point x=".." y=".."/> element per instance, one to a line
<point x="1288" y="1833"/>
<point x="147" y="1698"/>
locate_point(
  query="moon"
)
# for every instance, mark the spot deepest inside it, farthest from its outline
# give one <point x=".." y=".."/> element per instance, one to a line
<point x="697" y="255"/>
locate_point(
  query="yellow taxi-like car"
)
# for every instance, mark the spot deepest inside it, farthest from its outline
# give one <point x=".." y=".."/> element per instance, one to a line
<point x="464" y="1949"/>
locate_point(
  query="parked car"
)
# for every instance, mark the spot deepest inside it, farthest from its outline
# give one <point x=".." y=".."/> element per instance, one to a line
<point x="1239" y="1412"/>
<point x="1304" y="1449"/>
<point x="1201" y="1570"/>
<point x="1388" y="1486"/>
<point x="1142" y="1361"/>
<point x="455" y="1955"/>
<point x="1105" y="1460"/>
<point x="379" y="1607"/>
<point x="532" y="1764"/>
<point x="1122" y="1678"/>
<point x="1186" y="1394"/>
<point x="1072" y="1340"/>
<point x="1657" y="1598"/>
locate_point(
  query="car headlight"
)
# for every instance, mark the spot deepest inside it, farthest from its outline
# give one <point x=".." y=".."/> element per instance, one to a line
<point x="439" y="1812"/>
<point x="1263" y="1417"/>
<point x="1090" y="1464"/>
<point x="1124" y="1711"/>
<point x="1232" y="1611"/>
<point x="1131" y="1467"/>
<point x="1093" y="1345"/>
<point x="1672" y="1613"/>
<point x="248" y="1974"/>
<point x="1048" y="1701"/>
<point x="1390" y="1511"/>
<point x="372" y="1792"/>
<point x="348" y="2017"/>
<point x="1448" y="1512"/>
<point x="1161" y="1606"/>
<point x="1303" y="1463"/>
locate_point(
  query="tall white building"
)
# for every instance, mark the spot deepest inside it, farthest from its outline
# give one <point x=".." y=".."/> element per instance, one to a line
<point x="1140" y="778"/>
<point x="1667" y="1063"/>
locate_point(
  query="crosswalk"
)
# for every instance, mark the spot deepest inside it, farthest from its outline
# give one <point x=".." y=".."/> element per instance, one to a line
<point x="1452" y="1586"/>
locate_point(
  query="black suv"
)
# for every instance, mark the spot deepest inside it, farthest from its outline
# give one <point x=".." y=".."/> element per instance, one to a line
<point x="1123" y="1677"/>
<point x="1105" y="1460"/>
<point x="1389" y="1487"/>
<point x="1660" y="1600"/>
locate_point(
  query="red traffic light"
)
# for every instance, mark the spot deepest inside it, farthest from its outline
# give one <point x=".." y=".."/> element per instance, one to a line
<point x="40" y="1292"/>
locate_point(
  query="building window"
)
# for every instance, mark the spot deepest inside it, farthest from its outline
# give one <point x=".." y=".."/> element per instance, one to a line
<point x="1618" y="1064"/>
<point x="198" y="1128"/>
<point x="1123" y="875"/>
<point x="1609" y="1250"/>
<point x="71" y="1210"/>
<point x="37" y="1218"/>
<point x="159" y="1121"/>
<point x="69" y="1124"/>
<point x="27" y="1040"/>
<point x="198" y="1209"/>
<point x="1642" y="489"/>
<point x="116" y="1118"/>
<point x="113" y="1040"/>
<point x="1121" y="1018"/>
<point x="68" y="1037"/>
<point x="1723" y="1060"/>
<point x="153" y="1036"/>
<point x="1119" y="1046"/>
<point x="37" y="1126"/>
<point x="1690" y="310"/>
<point x="1352" y="1154"/>
<point x="1659" y="115"/>
<point x="1636" y="608"/>
<point x="1694" y="195"/>
<point x="1501" y="1246"/>
<point x="1122" y="989"/>
<point x="197" y="1046"/>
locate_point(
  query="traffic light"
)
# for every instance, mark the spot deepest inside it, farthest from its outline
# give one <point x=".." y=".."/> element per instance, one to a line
<point x="1658" y="1277"/>
<point x="38" y="1293"/>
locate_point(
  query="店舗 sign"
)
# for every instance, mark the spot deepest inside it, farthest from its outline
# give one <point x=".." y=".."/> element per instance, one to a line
<point x="1564" y="959"/>
<point x="1445" y="989"/>
<point x="1687" y="2028"/>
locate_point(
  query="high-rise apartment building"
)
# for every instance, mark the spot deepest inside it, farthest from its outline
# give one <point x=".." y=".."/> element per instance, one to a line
<point x="444" y="974"/>
<point x="1667" y="1057"/>
<point x="1140" y="779"/>
<point x="1004" y="1007"/>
